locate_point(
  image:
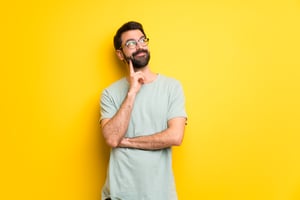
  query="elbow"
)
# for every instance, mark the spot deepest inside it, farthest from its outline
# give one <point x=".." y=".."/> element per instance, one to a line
<point x="110" y="139"/>
<point x="178" y="140"/>
<point x="112" y="143"/>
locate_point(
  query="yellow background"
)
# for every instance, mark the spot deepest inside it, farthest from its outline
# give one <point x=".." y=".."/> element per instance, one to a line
<point x="238" y="62"/>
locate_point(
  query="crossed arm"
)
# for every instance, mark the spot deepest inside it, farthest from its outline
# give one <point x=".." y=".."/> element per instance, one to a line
<point x="172" y="136"/>
<point x="114" y="130"/>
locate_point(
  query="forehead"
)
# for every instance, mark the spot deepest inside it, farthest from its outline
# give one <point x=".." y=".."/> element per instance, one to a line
<point x="132" y="34"/>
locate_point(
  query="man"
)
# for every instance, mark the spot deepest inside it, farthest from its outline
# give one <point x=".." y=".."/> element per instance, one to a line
<point x="142" y="117"/>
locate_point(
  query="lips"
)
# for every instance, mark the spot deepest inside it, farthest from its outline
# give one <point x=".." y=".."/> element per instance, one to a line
<point x="140" y="53"/>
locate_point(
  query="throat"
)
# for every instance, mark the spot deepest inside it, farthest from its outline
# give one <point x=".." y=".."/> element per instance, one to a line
<point x="151" y="78"/>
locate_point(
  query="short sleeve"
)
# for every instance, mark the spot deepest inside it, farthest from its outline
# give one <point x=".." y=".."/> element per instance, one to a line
<point x="107" y="106"/>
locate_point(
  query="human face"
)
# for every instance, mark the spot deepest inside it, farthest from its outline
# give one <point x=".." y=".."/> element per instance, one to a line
<point x="134" y="47"/>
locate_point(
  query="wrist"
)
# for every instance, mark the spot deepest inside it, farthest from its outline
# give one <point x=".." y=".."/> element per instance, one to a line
<point x="131" y="94"/>
<point x="124" y="143"/>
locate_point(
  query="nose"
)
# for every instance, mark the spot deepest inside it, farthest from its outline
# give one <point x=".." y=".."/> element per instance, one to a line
<point x="138" y="46"/>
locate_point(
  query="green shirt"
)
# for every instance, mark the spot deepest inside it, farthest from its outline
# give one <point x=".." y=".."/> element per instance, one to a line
<point x="135" y="174"/>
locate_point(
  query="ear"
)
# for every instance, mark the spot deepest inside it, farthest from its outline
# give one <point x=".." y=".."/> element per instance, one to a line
<point x="120" y="54"/>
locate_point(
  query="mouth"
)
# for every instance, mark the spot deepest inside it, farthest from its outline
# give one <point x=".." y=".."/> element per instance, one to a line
<point x="140" y="53"/>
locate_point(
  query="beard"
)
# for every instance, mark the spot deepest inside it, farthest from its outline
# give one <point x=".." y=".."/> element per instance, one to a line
<point x="139" y="62"/>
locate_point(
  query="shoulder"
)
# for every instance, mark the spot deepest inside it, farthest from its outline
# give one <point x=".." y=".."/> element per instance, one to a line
<point x="119" y="84"/>
<point x="117" y="88"/>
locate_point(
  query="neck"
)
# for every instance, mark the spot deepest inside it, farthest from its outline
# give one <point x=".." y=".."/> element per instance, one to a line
<point x="148" y="74"/>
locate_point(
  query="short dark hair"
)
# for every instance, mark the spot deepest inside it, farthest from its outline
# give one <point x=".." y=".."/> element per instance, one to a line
<point x="132" y="25"/>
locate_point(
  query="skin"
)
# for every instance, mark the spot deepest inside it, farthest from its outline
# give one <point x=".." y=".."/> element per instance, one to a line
<point x="114" y="129"/>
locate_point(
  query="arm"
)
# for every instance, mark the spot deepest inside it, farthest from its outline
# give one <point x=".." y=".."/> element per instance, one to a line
<point x="114" y="128"/>
<point x="172" y="136"/>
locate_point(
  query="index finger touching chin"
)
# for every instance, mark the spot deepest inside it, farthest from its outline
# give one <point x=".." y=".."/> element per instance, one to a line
<point x="131" y="69"/>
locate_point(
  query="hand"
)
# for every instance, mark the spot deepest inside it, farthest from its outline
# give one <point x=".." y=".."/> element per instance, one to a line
<point x="124" y="143"/>
<point x="136" y="79"/>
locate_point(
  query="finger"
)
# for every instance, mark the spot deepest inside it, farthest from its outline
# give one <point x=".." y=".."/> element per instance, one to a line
<point x="131" y="69"/>
<point x="141" y="80"/>
<point x="140" y="77"/>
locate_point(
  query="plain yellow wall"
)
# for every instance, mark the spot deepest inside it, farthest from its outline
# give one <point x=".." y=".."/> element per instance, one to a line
<point x="237" y="60"/>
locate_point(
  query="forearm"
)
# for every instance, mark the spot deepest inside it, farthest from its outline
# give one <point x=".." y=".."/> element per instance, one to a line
<point x="115" y="128"/>
<point x="150" y="142"/>
<point x="172" y="136"/>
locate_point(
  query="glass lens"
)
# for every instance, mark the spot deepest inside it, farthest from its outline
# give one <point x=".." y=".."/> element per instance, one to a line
<point x="131" y="44"/>
<point x="144" y="41"/>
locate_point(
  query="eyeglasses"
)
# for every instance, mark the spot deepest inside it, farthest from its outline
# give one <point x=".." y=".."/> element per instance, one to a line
<point x="131" y="44"/>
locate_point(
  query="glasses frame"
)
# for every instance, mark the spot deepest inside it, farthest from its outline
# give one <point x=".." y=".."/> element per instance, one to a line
<point x="143" y="42"/>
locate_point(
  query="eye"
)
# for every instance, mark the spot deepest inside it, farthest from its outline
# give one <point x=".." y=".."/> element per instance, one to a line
<point x="130" y="43"/>
<point x="144" y="40"/>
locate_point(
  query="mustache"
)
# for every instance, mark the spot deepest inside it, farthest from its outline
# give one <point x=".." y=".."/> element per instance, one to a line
<point x="139" y="51"/>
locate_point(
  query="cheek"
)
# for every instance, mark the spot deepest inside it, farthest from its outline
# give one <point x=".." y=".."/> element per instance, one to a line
<point x="128" y="53"/>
